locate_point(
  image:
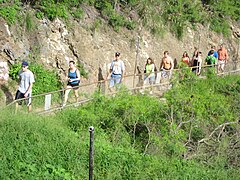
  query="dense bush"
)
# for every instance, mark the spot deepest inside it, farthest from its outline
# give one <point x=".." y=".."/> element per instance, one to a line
<point x="136" y="136"/>
<point x="154" y="15"/>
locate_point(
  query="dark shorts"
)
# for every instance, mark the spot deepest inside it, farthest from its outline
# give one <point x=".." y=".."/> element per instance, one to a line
<point x="20" y="95"/>
<point x="74" y="86"/>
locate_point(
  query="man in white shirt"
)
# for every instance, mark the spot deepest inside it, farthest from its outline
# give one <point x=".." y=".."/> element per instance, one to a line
<point x="116" y="71"/>
<point x="25" y="86"/>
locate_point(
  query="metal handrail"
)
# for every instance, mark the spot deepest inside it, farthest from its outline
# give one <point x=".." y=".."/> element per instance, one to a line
<point x="126" y="76"/>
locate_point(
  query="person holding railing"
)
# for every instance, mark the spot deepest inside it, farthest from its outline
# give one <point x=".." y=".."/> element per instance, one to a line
<point x="73" y="81"/>
<point x="26" y="78"/>
<point x="116" y="71"/>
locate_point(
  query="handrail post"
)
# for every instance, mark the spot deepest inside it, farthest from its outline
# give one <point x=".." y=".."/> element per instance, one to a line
<point x="91" y="149"/>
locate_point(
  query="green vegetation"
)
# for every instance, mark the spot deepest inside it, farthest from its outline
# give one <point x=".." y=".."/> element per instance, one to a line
<point x="157" y="16"/>
<point x="193" y="135"/>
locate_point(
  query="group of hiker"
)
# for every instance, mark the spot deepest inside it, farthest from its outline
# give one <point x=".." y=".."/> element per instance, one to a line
<point x="116" y="72"/>
<point x="215" y="57"/>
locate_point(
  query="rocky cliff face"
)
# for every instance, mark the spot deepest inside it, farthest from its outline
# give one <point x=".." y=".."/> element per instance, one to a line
<point x="55" y="43"/>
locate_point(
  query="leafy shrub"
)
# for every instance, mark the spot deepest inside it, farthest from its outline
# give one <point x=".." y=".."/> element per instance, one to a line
<point x="136" y="136"/>
<point x="9" y="13"/>
<point x="29" y="22"/>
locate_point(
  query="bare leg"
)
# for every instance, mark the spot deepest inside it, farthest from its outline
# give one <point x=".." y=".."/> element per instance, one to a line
<point x="30" y="108"/>
<point x="76" y="94"/>
<point x="16" y="109"/>
<point x="66" y="95"/>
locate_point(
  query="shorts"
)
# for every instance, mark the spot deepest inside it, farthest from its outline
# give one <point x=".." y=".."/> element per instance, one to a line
<point x="150" y="79"/>
<point x="74" y="86"/>
<point x="115" y="79"/>
<point x="20" y="95"/>
<point x="166" y="73"/>
<point x="221" y="63"/>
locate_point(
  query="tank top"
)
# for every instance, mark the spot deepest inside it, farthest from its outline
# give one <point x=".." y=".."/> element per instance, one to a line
<point x="150" y="69"/>
<point x="73" y="75"/>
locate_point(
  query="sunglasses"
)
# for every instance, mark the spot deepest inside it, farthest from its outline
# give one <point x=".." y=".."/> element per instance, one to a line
<point x="24" y="66"/>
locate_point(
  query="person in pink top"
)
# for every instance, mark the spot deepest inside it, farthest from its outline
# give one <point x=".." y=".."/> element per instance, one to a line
<point x="222" y="58"/>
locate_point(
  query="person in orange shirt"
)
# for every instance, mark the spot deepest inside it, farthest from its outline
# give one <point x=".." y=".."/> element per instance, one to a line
<point x="222" y="58"/>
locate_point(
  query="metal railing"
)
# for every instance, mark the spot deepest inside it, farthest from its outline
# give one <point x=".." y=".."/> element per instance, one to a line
<point x="52" y="101"/>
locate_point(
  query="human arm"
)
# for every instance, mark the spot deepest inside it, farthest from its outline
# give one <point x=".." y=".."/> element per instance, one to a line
<point x="28" y="90"/>
<point x="161" y="65"/>
<point x="226" y="54"/>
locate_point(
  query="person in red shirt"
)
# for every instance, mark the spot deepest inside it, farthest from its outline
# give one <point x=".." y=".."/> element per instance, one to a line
<point x="185" y="58"/>
<point x="222" y="58"/>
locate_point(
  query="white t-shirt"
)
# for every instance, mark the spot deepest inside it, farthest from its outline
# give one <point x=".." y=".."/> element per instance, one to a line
<point x="117" y="67"/>
<point x="26" y="77"/>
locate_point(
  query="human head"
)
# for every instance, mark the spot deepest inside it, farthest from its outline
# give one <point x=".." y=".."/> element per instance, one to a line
<point x="211" y="52"/>
<point x="117" y="54"/>
<point x="71" y="64"/>
<point x="221" y="46"/>
<point x="213" y="47"/>
<point x="166" y="53"/>
<point x="149" y="61"/>
<point x="24" y="65"/>
<point x="185" y="54"/>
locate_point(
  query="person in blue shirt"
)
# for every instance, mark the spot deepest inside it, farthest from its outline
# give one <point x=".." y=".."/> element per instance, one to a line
<point x="215" y="54"/>
<point x="73" y="81"/>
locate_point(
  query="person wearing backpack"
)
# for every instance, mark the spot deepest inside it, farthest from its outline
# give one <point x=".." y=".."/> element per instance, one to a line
<point x="73" y="81"/>
<point x="211" y="60"/>
<point x="116" y="71"/>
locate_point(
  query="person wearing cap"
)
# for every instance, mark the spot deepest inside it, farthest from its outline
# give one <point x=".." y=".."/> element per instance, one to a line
<point x="116" y="71"/>
<point x="26" y="78"/>
<point x="222" y="58"/>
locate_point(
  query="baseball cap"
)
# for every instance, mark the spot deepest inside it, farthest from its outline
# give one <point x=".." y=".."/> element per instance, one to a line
<point x="24" y="63"/>
<point x="117" y="54"/>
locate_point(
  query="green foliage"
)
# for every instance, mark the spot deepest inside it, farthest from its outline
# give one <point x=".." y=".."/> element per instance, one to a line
<point x="136" y="137"/>
<point x="52" y="10"/>
<point x="39" y="15"/>
<point x="9" y="12"/>
<point x="29" y="22"/>
<point x="46" y="80"/>
<point x="83" y="72"/>
<point x="154" y="15"/>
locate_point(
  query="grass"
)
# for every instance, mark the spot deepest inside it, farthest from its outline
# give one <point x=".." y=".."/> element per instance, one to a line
<point x="56" y="146"/>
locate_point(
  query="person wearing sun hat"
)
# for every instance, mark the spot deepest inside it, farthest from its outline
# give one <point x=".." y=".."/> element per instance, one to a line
<point x="116" y="71"/>
<point x="26" y="80"/>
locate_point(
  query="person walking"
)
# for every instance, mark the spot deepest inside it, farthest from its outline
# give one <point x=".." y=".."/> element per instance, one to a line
<point x="149" y="73"/>
<point x="116" y="72"/>
<point x="26" y="80"/>
<point x="185" y="58"/>
<point x="73" y="81"/>
<point x="166" y="65"/>
<point x="222" y="58"/>
<point x="215" y="53"/>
